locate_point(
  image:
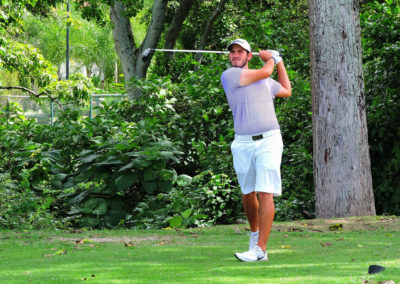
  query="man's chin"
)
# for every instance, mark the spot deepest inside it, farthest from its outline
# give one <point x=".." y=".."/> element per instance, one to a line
<point x="238" y="65"/>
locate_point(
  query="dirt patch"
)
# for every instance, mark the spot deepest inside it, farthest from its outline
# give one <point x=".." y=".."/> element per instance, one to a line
<point x="369" y="223"/>
<point x="115" y="239"/>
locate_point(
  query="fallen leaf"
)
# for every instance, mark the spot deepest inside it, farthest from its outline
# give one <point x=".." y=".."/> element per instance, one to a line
<point x="336" y="227"/>
<point x="327" y="244"/>
<point x="75" y="231"/>
<point x="195" y="236"/>
<point x="129" y="244"/>
<point x="61" y="251"/>
<point x="47" y="255"/>
<point x="285" y="246"/>
<point x="294" y="230"/>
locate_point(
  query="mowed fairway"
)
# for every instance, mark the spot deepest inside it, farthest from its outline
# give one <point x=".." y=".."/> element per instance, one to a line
<point x="309" y="251"/>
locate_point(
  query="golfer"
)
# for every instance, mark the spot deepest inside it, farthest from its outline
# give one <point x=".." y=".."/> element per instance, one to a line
<point x="257" y="147"/>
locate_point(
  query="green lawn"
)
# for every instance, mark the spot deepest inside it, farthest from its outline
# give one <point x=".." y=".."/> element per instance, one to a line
<point x="299" y="252"/>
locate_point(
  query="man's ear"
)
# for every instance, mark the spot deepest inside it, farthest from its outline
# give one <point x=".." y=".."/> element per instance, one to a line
<point x="249" y="56"/>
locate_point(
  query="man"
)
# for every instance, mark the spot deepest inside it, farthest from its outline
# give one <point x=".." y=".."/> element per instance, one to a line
<point x="257" y="147"/>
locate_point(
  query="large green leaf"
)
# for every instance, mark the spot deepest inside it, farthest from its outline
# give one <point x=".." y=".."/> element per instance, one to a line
<point x="168" y="175"/>
<point x="149" y="175"/>
<point x="127" y="166"/>
<point x="187" y="213"/>
<point x="101" y="208"/>
<point x="175" y="222"/>
<point x="184" y="180"/>
<point x="90" y="158"/>
<point x="123" y="182"/>
<point x="159" y="165"/>
<point x="150" y="186"/>
<point x="59" y="177"/>
<point x="110" y="161"/>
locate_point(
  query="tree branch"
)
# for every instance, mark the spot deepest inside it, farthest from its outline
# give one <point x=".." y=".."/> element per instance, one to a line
<point x="31" y="92"/>
<point x="208" y="28"/>
<point x="177" y="22"/>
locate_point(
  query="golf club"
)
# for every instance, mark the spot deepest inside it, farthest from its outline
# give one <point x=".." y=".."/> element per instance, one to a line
<point x="148" y="50"/>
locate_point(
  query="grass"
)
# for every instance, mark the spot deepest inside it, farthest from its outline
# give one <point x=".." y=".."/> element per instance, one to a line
<point x="299" y="252"/>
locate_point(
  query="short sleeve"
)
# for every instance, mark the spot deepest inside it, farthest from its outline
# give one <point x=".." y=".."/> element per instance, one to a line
<point x="274" y="86"/>
<point x="230" y="79"/>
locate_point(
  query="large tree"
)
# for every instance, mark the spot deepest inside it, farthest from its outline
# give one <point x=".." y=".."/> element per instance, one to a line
<point x="342" y="170"/>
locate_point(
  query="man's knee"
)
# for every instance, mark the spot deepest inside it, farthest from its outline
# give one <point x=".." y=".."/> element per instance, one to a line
<point x="265" y="196"/>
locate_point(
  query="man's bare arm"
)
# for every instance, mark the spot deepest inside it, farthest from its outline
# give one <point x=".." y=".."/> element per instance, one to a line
<point x="286" y="89"/>
<point x="249" y="76"/>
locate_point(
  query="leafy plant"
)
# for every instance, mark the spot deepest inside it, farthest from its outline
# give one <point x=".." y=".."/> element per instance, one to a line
<point x="185" y="219"/>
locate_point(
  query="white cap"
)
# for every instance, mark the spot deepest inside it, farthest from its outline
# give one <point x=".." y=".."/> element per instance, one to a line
<point x="242" y="42"/>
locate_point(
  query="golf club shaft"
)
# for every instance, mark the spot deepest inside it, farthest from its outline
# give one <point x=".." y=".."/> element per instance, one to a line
<point x="148" y="50"/>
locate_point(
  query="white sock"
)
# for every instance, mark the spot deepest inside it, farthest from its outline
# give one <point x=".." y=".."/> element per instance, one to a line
<point x="254" y="233"/>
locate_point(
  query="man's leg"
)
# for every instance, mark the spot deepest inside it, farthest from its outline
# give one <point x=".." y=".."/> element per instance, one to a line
<point x="250" y="206"/>
<point x="266" y="217"/>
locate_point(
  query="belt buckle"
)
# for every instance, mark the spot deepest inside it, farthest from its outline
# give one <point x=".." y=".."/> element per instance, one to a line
<point x="257" y="137"/>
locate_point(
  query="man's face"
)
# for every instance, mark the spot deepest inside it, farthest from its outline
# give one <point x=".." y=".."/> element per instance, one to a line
<point x="239" y="57"/>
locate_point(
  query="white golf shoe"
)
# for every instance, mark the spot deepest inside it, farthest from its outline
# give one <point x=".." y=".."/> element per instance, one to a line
<point x="256" y="254"/>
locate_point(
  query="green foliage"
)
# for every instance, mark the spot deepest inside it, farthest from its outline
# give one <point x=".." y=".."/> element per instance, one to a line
<point x="207" y="194"/>
<point x="164" y="159"/>
<point x="34" y="70"/>
<point x="90" y="46"/>
<point x="185" y="219"/>
<point x="380" y="26"/>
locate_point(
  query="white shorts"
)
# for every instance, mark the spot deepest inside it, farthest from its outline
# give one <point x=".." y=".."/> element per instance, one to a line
<point x="258" y="162"/>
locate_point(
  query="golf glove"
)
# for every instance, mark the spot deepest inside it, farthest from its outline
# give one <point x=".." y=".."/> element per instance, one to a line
<point x="276" y="56"/>
<point x="274" y="52"/>
<point x="277" y="59"/>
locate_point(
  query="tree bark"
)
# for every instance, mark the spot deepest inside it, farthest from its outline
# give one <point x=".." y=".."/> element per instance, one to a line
<point x="152" y="37"/>
<point x="123" y="39"/>
<point x="342" y="170"/>
<point x="132" y="60"/>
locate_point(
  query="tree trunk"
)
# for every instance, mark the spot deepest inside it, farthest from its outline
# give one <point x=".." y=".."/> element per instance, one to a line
<point x="123" y="39"/>
<point x="342" y="170"/>
<point x="152" y="37"/>
<point x="132" y="61"/>
<point x="177" y="22"/>
<point x="207" y="30"/>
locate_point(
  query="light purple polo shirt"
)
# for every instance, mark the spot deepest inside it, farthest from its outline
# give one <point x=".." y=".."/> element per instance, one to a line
<point x="252" y="106"/>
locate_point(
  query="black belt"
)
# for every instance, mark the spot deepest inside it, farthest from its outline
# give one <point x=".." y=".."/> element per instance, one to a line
<point x="257" y="137"/>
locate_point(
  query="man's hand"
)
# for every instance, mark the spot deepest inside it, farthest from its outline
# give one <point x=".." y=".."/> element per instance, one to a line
<point x="265" y="55"/>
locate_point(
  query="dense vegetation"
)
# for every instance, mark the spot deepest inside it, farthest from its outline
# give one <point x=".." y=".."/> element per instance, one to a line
<point x="164" y="159"/>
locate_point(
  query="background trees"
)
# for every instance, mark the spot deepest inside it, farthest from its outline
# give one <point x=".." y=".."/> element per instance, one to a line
<point x="140" y="162"/>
